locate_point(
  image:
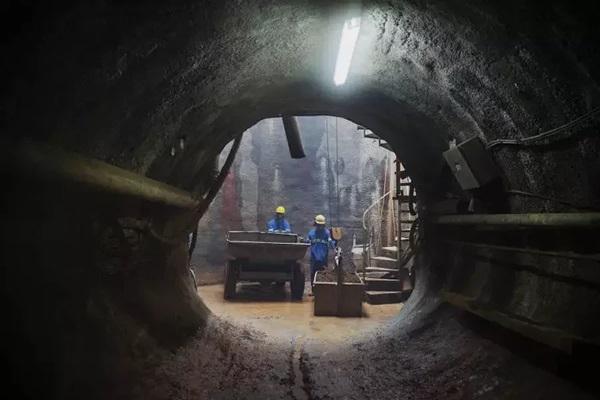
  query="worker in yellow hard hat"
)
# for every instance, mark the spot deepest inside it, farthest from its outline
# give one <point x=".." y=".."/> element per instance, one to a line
<point x="320" y="242"/>
<point x="279" y="223"/>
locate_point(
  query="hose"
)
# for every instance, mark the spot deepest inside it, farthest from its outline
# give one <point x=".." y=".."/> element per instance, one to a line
<point x="216" y="186"/>
<point x="204" y="204"/>
<point x="212" y="192"/>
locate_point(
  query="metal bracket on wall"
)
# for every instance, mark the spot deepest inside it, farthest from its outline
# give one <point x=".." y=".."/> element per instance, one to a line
<point x="471" y="163"/>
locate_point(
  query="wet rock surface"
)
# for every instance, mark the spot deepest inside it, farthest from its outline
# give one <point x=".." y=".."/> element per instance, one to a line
<point x="223" y="362"/>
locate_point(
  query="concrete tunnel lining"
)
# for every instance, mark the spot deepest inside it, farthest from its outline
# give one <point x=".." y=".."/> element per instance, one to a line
<point x="121" y="83"/>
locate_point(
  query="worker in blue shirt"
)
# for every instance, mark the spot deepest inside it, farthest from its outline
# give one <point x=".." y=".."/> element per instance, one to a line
<point x="320" y="242"/>
<point x="279" y="223"/>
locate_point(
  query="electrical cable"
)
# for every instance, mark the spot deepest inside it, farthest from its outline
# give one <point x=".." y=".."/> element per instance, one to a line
<point x="527" y="141"/>
<point x="212" y="193"/>
<point x="328" y="170"/>
<point x="214" y="189"/>
<point x="543" y="197"/>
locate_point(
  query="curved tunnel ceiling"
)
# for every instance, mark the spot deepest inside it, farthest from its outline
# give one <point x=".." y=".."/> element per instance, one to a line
<point x="126" y="81"/>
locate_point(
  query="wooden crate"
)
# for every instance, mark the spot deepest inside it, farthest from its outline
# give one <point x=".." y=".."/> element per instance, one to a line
<point x="326" y="298"/>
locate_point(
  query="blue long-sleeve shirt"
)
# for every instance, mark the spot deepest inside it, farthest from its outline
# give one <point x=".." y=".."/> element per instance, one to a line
<point x="278" y="225"/>
<point x="320" y="242"/>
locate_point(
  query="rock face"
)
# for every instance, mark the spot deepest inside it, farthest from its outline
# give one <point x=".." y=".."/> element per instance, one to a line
<point x="264" y="176"/>
<point x="126" y="82"/>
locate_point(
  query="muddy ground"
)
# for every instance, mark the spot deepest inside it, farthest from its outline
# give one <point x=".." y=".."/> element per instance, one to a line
<point x="331" y="276"/>
<point x="435" y="353"/>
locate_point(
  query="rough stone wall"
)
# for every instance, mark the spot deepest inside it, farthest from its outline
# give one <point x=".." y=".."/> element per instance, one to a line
<point x="264" y="176"/>
<point x="84" y="284"/>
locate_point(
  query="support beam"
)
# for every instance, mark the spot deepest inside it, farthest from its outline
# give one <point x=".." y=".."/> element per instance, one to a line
<point x="42" y="161"/>
<point x="509" y="221"/>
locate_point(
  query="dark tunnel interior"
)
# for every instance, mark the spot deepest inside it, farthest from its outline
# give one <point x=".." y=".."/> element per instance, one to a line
<point x="98" y="206"/>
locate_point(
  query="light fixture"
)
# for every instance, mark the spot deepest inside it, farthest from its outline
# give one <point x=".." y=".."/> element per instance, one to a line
<point x="347" y="44"/>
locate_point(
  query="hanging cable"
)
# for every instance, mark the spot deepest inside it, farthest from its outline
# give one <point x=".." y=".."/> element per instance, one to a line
<point x="337" y="174"/>
<point x="216" y="186"/>
<point x="213" y="190"/>
<point x="530" y="140"/>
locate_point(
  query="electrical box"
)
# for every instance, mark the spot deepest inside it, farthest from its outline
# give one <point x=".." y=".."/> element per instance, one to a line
<point x="471" y="163"/>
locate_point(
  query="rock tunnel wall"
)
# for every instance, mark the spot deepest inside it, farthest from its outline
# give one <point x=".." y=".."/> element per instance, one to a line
<point x="125" y="82"/>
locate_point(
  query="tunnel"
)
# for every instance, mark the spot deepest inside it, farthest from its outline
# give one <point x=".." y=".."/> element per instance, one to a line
<point x="114" y="114"/>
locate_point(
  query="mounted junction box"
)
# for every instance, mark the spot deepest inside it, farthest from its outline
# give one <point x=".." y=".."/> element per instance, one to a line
<point x="471" y="163"/>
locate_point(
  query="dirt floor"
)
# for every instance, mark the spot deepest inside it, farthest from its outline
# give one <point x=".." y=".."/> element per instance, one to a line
<point x="263" y="346"/>
<point x="270" y="310"/>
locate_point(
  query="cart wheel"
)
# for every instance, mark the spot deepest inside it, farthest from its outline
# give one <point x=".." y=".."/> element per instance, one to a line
<point x="230" y="280"/>
<point x="280" y="285"/>
<point x="297" y="283"/>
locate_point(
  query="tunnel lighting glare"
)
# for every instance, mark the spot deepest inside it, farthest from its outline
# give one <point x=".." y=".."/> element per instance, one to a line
<point x="347" y="44"/>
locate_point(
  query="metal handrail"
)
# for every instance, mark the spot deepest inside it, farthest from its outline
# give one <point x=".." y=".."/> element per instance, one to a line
<point x="368" y="234"/>
<point x="371" y="206"/>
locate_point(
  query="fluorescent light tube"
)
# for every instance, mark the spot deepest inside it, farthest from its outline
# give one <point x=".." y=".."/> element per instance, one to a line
<point x="347" y="44"/>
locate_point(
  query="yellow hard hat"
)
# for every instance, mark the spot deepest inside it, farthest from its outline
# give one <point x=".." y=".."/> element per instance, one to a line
<point x="319" y="219"/>
<point x="280" y="210"/>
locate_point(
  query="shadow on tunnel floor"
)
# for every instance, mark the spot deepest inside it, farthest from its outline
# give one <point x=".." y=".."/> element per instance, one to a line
<point x="580" y="367"/>
<point x="250" y="293"/>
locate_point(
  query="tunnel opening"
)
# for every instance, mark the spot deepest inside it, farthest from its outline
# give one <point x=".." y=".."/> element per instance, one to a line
<point x="348" y="176"/>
